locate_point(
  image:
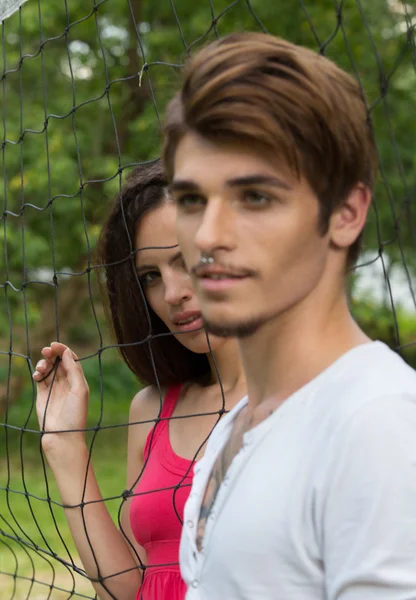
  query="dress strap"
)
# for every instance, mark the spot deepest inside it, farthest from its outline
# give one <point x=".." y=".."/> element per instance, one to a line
<point x="170" y="400"/>
<point x="169" y="403"/>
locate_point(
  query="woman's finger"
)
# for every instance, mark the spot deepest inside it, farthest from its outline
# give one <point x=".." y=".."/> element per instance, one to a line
<point x="43" y="369"/>
<point x="42" y="373"/>
<point x="37" y="376"/>
<point x="52" y="355"/>
<point x="49" y="369"/>
<point x="60" y="348"/>
<point x="44" y="366"/>
<point x="73" y="369"/>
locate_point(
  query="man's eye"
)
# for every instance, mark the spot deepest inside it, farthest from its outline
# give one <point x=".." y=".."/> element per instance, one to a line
<point x="148" y="278"/>
<point x="256" y="198"/>
<point x="189" y="200"/>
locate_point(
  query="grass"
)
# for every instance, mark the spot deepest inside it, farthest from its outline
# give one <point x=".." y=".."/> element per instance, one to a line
<point x="27" y="516"/>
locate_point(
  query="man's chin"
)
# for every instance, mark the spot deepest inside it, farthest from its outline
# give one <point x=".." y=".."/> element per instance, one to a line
<point x="241" y="329"/>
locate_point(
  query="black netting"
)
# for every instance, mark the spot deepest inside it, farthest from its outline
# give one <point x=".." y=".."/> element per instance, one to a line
<point x="84" y="86"/>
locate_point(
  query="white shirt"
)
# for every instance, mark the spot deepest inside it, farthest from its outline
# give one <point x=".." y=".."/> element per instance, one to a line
<point x="320" y="503"/>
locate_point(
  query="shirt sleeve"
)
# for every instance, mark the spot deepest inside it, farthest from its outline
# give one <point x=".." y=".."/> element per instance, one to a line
<point x="368" y="504"/>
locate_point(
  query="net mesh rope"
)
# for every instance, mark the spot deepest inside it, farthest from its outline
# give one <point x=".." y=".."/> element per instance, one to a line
<point x="83" y="90"/>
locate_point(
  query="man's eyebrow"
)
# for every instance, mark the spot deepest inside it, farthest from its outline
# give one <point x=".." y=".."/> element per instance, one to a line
<point x="187" y="185"/>
<point x="258" y="179"/>
<point x="183" y="185"/>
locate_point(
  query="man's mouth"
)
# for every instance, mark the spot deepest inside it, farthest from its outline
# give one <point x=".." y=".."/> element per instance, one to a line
<point x="220" y="282"/>
<point x="218" y="271"/>
<point x="218" y="276"/>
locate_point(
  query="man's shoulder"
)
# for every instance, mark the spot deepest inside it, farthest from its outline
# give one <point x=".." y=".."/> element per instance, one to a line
<point x="372" y="372"/>
<point x="368" y="430"/>
<point x="381" y="368"/>
<point x="373" y="379"/>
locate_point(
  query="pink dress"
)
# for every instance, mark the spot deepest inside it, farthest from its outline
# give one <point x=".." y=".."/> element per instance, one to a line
<point x="156" y="512"/>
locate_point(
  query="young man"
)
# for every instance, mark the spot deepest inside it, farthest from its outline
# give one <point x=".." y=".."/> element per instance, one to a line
<point x="307" y="489"/>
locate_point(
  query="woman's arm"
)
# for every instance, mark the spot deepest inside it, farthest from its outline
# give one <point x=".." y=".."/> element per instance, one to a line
<point x="62" y="405"/>
<point x="144" y="407"/>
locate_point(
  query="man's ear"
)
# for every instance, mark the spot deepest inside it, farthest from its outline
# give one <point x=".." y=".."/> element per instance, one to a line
<point x="348" y="221"/>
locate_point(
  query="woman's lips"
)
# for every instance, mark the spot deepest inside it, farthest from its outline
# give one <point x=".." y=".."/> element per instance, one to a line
<point x="195" y="322"/>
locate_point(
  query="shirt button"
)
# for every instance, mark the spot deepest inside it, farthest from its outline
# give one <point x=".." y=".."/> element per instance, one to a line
<point x="195" y="583"/>
<point x="190" y="524"/>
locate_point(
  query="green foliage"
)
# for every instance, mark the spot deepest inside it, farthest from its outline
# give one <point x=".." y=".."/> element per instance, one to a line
<point x="396" y="329"/>
<point x="68" y="124"/>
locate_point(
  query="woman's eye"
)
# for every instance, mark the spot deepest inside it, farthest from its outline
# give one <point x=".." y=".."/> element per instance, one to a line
<point x="189" y="200"/>
<point x="256" y="198"/>
<point x="148" y="278"/>
<point x="183" y="266"/>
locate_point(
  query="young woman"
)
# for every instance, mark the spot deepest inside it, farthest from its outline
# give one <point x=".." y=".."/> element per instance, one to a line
<point x="192" y="380"/>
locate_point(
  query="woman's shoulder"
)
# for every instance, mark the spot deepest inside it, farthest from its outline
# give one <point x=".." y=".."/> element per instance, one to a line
<point x="144" y="410"/>
<point x="146" y="403"/>
<point x="147" y="406"/>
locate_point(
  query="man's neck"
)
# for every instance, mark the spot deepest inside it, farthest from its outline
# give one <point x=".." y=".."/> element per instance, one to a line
<point x="292" y="349"/>
<point x="226" y="366"/>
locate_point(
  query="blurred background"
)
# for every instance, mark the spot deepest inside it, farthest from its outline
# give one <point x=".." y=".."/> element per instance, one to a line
<point x="83" y="89"/>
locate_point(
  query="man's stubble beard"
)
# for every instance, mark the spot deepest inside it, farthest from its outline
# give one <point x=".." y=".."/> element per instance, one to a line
<point x="238" y="330"/>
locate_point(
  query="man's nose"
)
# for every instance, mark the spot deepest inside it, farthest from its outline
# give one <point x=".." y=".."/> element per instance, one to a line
<point x="216" y="227"/>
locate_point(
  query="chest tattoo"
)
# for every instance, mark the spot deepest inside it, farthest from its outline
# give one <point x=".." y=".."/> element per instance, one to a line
<point x="223" y="462"/>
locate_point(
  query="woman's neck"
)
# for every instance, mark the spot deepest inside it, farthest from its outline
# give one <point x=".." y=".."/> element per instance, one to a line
<point x="225" y="363"/>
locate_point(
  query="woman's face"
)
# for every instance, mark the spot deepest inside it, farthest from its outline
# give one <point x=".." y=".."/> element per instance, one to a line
<point x="165" y="281"/>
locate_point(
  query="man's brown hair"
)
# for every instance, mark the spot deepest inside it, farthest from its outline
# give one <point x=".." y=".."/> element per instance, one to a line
<point x="284" y="99"/>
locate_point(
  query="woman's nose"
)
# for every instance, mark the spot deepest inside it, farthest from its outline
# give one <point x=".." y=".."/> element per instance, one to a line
<point x="178" y="289"/>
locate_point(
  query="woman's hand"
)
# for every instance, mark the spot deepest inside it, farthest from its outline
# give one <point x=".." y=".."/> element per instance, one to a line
<point x="62" y="397"/>
<point x="61" y="405"/>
